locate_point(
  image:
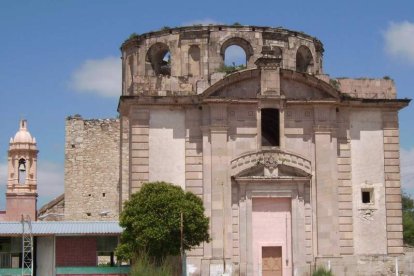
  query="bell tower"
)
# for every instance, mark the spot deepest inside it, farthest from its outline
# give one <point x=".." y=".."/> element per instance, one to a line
<point x="21" y="194"/>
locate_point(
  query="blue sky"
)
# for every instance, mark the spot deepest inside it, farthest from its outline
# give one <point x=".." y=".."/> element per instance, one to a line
<point x="54" y="56"/>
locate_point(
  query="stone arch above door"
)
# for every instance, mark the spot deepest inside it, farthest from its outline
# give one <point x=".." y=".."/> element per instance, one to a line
<point x="270" y="159"/>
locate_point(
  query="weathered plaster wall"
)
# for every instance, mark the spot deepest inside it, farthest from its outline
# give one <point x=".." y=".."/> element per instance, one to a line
<point x="368" y="88"/>
<point x="45" y="256"/>
<point x="367" y="151"/>
<point x="271" y="220"/>
<point x="242" y="121"/>
<point x="298" y="131"/>
<point x="167" y="146"/>
<point x="91" y="169"/>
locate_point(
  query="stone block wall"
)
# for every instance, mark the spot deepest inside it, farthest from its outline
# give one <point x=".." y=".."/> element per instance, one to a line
<point x="92" y="169"/>
<point x="368" y="88"/>
<point x="198" y="52"/>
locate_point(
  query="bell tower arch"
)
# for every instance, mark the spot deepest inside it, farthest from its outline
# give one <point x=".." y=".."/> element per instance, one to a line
<point x="21" y="194"/>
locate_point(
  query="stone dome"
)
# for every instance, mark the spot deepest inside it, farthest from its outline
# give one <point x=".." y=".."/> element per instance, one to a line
<point x="23" y="135"/>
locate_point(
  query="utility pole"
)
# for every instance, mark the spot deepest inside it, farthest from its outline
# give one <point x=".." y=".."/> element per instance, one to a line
<point x="183" y="261"/>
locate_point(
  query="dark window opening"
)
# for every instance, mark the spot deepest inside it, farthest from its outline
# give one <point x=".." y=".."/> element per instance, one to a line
<point x="366" y="197"/>
<point x="10" y="253"/>
<point x="270" y="127"/>
<point x="194" y="58"/>
<point x="103" y="194"/>
<point x="105" y="250"/>
<point x="304" y="60"/>
<point x="159" y="56"/>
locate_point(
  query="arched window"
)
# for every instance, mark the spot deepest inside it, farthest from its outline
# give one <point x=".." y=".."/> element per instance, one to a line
<point x="304" y="60"/>
<point x="235" y="56"/>
<point x="159" y="57"/>
<point x="236" y="53"/>
<point x="22" y="171"/>
<point x="194" y="61"/>
<point x="130" y="70"/>
<point x="277" y="52"/>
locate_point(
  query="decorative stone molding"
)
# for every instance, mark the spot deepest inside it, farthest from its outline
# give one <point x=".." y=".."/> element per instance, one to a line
<point x="366" y="214"/>
<point x="270" y="158"/>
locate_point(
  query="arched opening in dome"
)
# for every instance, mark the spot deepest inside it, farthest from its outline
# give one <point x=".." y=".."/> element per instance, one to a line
<point x="304" y="60"/>
<point x="159" y="58"/>
<point x="235" y="56"/>
<point x="236" y="53"/>
<point x="194" y="61"/>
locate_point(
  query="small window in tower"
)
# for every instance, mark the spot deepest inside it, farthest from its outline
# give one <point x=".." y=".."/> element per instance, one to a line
<point x="367" y="196"/>
<point x="22" y="171"/>
<point x="270" y="127"/>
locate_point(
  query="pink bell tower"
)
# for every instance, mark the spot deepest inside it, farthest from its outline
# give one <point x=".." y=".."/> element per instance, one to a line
<point x="21" y="194"/>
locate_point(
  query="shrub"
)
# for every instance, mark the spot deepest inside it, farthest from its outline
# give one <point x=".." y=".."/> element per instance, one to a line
<point x="228" y="69"/>
<point x="152" y="222"/>
<point x="408" y="219"/>
<point x="321" y="271"/>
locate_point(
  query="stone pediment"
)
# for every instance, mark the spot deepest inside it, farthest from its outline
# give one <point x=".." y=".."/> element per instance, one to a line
<point x="272" y="163"/>
<point x="243" y="84"/>
<point x="302" y="86"/>
<point x="246" y="84"/>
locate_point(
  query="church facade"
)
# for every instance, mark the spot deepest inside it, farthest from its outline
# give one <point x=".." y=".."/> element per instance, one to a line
<point x="294" y="168"/>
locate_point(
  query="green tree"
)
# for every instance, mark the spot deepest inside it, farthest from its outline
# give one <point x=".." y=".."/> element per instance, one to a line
<point x="408" y="219"/>
<point x="152" y="222"/>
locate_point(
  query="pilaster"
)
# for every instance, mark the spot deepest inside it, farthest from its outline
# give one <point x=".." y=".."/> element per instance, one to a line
<point x="392" y="183"/>
<point x="326" y="190"/>
<point x="139" y="149"/>
<point x="124" y="161"/>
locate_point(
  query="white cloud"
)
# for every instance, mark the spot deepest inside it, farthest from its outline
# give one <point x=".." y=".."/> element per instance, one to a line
<point x="399" y="40"/>
<point x="99" y="76"/>
<point x="407" y="170"/>
<point x="205" y="21"/>
<point x="50" y="180"/>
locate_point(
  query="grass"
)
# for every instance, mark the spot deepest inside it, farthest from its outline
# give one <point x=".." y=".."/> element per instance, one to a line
<point x="144" y="266"/>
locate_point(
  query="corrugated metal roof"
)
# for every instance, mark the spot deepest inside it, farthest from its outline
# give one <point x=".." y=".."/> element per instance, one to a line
<point x="62" y="228"/>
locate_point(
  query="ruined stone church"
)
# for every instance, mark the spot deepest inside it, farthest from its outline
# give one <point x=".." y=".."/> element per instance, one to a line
<point x="294" y="168"/>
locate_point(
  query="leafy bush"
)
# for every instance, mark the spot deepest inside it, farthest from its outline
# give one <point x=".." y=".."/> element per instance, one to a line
<point x="228" y="69"/>
<point x="408" y="219"/>
<point x="321" y="271"/>
<point x="152" y="222"/>
<point x="335" y="84"/>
